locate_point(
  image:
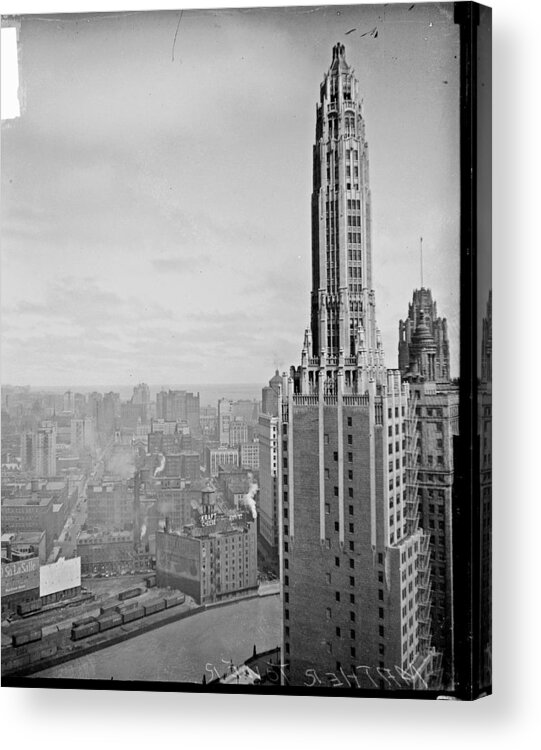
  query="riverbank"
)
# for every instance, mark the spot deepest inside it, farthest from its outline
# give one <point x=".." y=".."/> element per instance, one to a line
<point x="70" y="650"/>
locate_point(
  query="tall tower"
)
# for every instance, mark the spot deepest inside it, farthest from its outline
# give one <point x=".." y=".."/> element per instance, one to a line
<point x="423" y="342"/>
<point x="343" y="329"/>
<point x="354" y="562"/>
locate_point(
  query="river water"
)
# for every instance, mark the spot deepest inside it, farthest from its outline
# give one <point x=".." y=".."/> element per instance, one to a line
<point x="186" y="650"/>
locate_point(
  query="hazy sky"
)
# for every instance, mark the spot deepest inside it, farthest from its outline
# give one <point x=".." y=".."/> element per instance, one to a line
<point x="156" y="211"/>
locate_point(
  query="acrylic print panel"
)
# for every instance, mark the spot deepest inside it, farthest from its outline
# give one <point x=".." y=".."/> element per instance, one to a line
<point x="231" y="256"/>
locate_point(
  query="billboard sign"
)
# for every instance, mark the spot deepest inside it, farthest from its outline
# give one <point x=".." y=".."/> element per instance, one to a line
<point x="22" y="575"/>
<point x="60" y="576"/>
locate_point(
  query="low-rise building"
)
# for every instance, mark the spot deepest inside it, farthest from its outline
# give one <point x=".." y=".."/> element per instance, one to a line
<point x="213" y="558"/>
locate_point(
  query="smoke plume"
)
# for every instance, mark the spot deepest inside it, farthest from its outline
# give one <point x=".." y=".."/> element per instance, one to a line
<point x="249" y="498"/>
<point x="121" y="465"/>
<point x="161" y="467"/>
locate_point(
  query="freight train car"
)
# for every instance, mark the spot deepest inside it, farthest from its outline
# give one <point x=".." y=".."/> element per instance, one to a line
<point x="82" y="621"/>
<point x="83" y="631"/>
<point x="150" y="581"/>
<point x="28" y="608"/>
<point x="129" y="594"/>
<point x="132" y="614"/>
<point x="153" y="607"/>
<point x="28" y="636"/>
<point x="106" y="622"/>
<point x="173" y="600"/>
<point x="107" y="609"/>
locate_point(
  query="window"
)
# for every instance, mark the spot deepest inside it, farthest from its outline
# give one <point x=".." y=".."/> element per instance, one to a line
<point x="381" y="648"/>
<point x="380" y="594"/>
<point x="350" y="457"/>
<point x="353" y="652"/>
<point x="351" y="581"/>
<point x="350" y="421"/>
<point x="337" y="562"/>
<point x="350" y="491"/>
<point x="352" y="598"/>
<point x="327" y="508"/>
<point x="380" y="558"/>
<point x="336" y="491"/>
<point x="351" y="510"/>
<point x="352" y="546"/>
<point x="352" y="634"/>
<point x="350" y="474"/>
<point x="350" y="439"/>
<point x="351" y="563"/>
<point x="336" y="526"/>
<point x="338" y="632"/>
<point x="381" y="613"/>
<point x="382" y="631"/>
<point x="352" y="616"/>
<point x="335" y="455"/>
<point x="286" y="614"/>
<point x="380" y="577"/>
<point x="351" y="528"/>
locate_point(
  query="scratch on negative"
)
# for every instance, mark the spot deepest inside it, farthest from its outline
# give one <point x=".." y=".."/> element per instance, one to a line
<point x="175" y="39"/>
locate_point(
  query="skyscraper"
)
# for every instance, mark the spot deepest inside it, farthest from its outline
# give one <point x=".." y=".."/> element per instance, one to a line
<point x="355" y="570"/>
<point x="423" y="353"/>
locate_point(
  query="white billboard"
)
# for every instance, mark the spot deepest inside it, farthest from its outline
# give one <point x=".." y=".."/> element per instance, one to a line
<point x="59" y="576"/>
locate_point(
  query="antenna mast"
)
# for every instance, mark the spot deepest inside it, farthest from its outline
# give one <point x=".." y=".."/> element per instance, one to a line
<point x="421" y="247"/>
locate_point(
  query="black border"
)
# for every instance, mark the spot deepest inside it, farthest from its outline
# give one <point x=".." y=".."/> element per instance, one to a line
<point x="466" y="514"/>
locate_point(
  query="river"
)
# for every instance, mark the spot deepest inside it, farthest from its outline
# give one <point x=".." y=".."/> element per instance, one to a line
<point x="181" y="651"/>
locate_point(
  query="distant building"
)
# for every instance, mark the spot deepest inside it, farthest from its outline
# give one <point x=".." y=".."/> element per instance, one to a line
<point x="217" y="457"/>
<point x="83" y="434"/>
<point x="29" y="513"/>
<point x="175" y="405"/>
<point x="212" y="559"/>
<point x="109" y="504"/>
<point x="141" y="394"/>
<point x="22" y="545"/>
<point x="238" y="432"/>
<point x="106" y="551"/>
<point x="269" y="401"/>
<point x="249" y="455"/>
<point x="38" y="451"/>
<point x="269" y="524"/>
<point x="225" y="415"/>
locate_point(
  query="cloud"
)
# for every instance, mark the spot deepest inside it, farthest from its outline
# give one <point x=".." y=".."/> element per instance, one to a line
<point x="183" y="264"/>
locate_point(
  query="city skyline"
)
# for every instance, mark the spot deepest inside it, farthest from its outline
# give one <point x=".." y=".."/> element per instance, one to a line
<point x="126" y="231"/>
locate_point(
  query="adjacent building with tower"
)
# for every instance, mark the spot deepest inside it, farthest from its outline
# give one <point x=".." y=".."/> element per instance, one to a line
<point x="423" y="341"/>
<point x="355" y="569"/>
